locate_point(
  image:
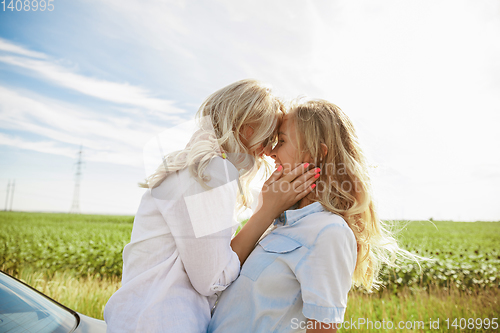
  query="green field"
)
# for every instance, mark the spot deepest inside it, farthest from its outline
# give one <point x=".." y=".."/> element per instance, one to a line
<point x="83" y="244"/>
<point x="67" y="256"/>
<point x="467" y="254"/>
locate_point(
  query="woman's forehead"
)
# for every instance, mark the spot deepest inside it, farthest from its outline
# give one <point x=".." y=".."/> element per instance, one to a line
<point x="284" y="124"/>
<point x="287" y="126"/>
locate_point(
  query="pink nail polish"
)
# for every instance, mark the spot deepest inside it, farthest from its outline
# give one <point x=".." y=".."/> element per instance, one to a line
<point x="306" y="165"/>
<point x="279" y="168"/>
<point x="313" y="186"/>
<point x="316" y="176"/>
<point x="318" y="170"/>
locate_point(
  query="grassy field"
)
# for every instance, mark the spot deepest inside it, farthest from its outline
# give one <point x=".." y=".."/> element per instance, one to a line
<point x="76" y="259"/>
<point x="88" y="295"/>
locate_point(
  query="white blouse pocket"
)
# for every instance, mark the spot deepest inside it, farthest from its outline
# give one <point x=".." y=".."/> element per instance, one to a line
<point x="268" y="250"/>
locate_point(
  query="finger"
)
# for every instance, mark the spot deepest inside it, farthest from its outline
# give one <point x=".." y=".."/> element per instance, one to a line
<point x="299" y="170"/>
<point x="305" y="192"/>
<point x="312" y="175"/>
<point x="275" y="176"/>
<point x="307" y="183"/>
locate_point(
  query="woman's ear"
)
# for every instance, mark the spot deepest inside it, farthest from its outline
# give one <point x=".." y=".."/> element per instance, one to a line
<point x="247" y="131"/>
<point x="324" y="150"/>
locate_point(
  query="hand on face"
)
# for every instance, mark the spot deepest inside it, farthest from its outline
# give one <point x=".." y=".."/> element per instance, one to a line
<point x="280" y="191"/>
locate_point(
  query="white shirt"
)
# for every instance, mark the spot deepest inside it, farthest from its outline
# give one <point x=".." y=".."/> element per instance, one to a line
<point x="179" y="255"/>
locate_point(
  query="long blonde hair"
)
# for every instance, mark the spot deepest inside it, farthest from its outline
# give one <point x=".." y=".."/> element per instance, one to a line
<point x="222" y="118"/>
<point x="344" y="187"/>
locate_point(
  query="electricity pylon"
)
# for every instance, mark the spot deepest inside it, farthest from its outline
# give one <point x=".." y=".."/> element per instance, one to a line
<point x="12" y="194"/>
<point x="75" y="207"/>
<point x="7" y="196"/>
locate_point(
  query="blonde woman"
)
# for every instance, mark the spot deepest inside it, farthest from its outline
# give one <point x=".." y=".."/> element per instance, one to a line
<point x="298" y="277"/>
<point x="181" y="253"/>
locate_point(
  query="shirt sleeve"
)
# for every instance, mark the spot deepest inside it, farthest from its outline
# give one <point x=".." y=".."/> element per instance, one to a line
<point x="200" y="220"/>
<point x="325" y="274"/>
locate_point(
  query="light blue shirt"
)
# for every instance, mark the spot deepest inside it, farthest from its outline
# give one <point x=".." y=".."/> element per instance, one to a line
<point x="302" y="269"/>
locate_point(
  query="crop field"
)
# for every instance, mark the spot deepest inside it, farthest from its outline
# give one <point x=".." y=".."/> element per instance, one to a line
<point x="65" y="255"/>
<point x="83" y="244"/>
<point x="467" y="255"/>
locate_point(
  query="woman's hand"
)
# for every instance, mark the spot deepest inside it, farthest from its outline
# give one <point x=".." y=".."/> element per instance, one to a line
<point x="280" y="192"/>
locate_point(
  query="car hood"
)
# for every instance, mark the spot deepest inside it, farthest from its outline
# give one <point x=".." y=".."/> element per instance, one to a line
<point x="90" y="325"/>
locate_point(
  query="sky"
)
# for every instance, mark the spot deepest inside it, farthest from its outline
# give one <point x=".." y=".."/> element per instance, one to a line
<point x="419" y="79"/>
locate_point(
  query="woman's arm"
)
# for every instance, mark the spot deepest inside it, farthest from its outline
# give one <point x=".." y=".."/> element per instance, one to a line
<point x="208" y="259"/>
<point x="200" y="220"/>
<point x="276" y="197"/>
<point x="244" y="242"/>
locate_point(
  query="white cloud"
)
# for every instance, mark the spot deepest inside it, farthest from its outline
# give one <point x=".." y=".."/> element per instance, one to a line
<point x="419" y="79"/>
<point x="120" y="93"/>
<point x="106" y="138"/>
<point x="213" y="44"/>
<point x="7" y="46"/>
<point x="49" y="147"/>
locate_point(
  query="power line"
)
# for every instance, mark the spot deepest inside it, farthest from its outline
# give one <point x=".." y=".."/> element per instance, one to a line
<point x="75" y="207"/>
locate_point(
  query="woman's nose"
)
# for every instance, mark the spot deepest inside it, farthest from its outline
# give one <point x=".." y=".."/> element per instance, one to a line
<point x="267" y="150"/>
<point x="270" y="152"/>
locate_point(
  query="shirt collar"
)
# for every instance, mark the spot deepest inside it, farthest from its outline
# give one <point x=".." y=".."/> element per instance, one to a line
<point x="291" y="216"/>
